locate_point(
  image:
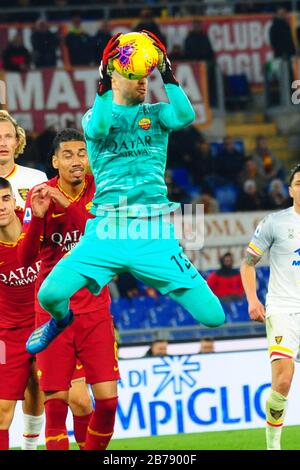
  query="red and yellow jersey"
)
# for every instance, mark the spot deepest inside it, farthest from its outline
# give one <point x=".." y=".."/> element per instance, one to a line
<point x="52" y="237"/>
<point x="17" y="284"/>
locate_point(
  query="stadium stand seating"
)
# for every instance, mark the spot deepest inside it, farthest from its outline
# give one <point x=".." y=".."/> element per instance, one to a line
<point x="145" y="312"/>
<point x="226" y="196"/>
<point x="237" y="91"/>
<point x="216" y="147"/>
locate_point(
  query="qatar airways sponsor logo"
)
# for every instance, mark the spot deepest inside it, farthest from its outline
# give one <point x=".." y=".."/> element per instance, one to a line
<point x="21" y="276"/>
<point x="68" y="240"/>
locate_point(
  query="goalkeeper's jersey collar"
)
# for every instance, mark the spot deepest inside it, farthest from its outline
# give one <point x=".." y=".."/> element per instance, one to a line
<point x="125" y="107"/>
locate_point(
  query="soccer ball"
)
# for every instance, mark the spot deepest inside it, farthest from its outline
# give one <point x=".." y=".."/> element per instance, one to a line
<point x="137" y="56"/>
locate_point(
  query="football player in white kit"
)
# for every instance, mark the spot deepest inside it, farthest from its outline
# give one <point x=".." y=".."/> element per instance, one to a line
<point x="12" y="143"/>
<point x="278" y="233"/>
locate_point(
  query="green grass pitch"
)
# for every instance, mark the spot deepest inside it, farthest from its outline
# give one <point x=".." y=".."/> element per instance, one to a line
<point x="252" y="439"/>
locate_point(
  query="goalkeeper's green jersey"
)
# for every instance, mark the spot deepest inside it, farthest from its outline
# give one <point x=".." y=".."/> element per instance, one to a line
<point x="127" y="149"/>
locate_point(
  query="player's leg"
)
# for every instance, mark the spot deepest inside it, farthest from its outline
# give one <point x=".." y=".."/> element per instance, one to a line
<point x="201" y="303"/>
<point x="54" y="295"/>
<point x="101" y="426"/>
<point x="81" y="405"/>
<point x="55" y="371"/>
<point x="15" y="371"/>
<point x="88" y="265"/>
<point x="276" y="404"/>
<point x="7" y="409"/>
<point x="33" y="411"/>
<point x="92" y="264"/>
<point x="56" y="410"/>
<point x="57" y="288"/>
<point x="283" y="346"/>
<point x="98" y="353"/>
<point x="162" y="264"/>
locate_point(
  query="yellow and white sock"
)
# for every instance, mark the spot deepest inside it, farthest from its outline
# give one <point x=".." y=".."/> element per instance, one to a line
<point x="275" y="413"/>
<point x="32" y="429"/>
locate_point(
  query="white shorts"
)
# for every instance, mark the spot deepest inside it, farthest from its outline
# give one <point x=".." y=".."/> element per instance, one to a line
<point x="283" y="334"/>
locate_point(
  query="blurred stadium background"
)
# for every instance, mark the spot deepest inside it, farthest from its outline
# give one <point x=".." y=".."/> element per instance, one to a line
<point x="239" y="64"/>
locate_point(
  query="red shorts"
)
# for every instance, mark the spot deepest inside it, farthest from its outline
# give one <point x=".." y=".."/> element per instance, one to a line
<point x="15" y="362"/>
<point x="79" y="372"/>
<point x="90" y="338"/>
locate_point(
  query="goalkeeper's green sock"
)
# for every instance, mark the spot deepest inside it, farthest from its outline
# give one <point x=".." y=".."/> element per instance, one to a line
<point x="56" y="290"/>
<point x="275" y="413"/>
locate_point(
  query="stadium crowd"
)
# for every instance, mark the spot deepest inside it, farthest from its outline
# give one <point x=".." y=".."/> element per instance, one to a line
<point x="217" y="174"/>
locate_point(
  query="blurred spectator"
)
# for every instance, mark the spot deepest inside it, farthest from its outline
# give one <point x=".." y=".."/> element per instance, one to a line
<point x="127" y="285"/>
<point x="250" y="199"/>
<point x="44" y="143"/>
<point x="158" y="348"/>
<point x="281" y="38"/>
<point x="182" y="145"/>
<point x="207" y="345"/>
<point x="79" y="44"/>
<point x="267" y="164"/>
<point x="176" y="53"/>
<point x="148" y="22"/>
<point x="211" y="205"/>
<point x="100" y="40"/>
<point x="251" y="172"/>
<point x="229" y="161"/>
<point x="226" y="282"/>
<point x="202" y="163"/>
<point x="30" y="157"/>
<point x="249" y="7"/>
<point x="44" y="45"/>
<point x="16" y="57"/>
<point x="175" y="192"/>
<point x="278" y="197"/>
<point x="218" y="7"/>
<point x="197" y="44"/>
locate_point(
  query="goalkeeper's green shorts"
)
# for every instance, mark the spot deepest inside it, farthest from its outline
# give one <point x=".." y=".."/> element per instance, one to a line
<point x="147" y="248"/>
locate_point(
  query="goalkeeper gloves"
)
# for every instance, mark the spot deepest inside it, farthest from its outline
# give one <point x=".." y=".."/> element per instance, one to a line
<point x="106" y="69"/>
<point x="164" y="64"/>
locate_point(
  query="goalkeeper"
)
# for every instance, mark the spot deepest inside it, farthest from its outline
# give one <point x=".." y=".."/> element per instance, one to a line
<point x="127" y="147"/>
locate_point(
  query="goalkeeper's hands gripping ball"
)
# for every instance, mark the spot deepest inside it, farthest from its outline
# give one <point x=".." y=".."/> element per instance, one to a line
<point x="106" y="68"/>
<point x="164" y="64"/>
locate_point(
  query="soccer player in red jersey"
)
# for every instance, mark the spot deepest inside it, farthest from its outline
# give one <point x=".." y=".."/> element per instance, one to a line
<point x="17" y="318"/>
<point x="54" y="221"/>
<point x="22" y="179"/>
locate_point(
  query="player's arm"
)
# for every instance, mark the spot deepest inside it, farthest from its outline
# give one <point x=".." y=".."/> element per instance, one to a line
<point x="36" y="206"/>
<point x="97" y="121"/>
<point x="179" y="112"/>
<point x="248" y="275"/>
<point x="262" y="240"/>
<point x="71" y="209"/>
